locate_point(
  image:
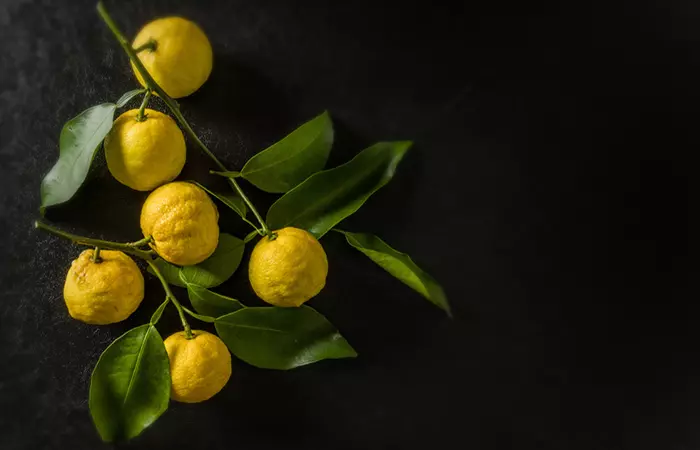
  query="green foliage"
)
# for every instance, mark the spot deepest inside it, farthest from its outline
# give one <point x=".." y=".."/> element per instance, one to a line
<point x="159" y="311"/>
<point x="124" y="99"/>
<point x="80" y="139"/>
<point x="130" y="386"/>
<point x="328" y="197"/>
<point x="170" y="272"/>
<point x="209" y="273"/>
<point x="290" y="161"/>
<point x="210" y="303"/>
<point x="219" y="266"/>
<point x="399" y="265"/>
<point x="281" y="338"/>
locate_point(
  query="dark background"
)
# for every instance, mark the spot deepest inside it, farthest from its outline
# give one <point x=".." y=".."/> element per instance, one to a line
<point x="547" y="191"/>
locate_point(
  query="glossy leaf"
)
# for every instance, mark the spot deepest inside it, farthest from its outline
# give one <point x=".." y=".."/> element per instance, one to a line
<point x="281" y="338"/>
<point x="210" y="303"/>
<point x="219" y="266"/>
<point x="399" y="265"/>
<point x="159" y="311"/>
<point x="234" y="202"/>
<point x="130" y="386"/>
<point x="124" y="99"/>
<point x="80" y="138"/>
<point x="290" y="161"/>
<point x="326" y="198"/>
<point x="170" y="272"/>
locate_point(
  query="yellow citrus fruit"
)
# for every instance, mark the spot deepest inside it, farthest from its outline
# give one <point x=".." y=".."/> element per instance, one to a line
<point x="103" y="292"/>
<point x="199" y="367"/>
<point x="289" y="269"/>
<point x="182" y="59"/>
<point x="143" y="155"/>
<point x="183" y="222"/>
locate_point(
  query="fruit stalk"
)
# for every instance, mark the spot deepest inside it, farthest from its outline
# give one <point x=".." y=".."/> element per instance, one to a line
<point x="131" y="248"/>
<point x="150" y="45"/>
<point x="140" y="116"/>
<point x="171" y="296"/>
<point x="172" y="105"/>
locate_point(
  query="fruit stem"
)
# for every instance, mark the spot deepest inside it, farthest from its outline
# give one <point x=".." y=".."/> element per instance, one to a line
<point x="140" y="116"/>
<point x="151" y="45"/>
<point x="129" y="247"/>
<point x="96" y="256"/>
<point x="172" y="105"/>
<point x="141" y="243"/>
<point x="169" y="294"/>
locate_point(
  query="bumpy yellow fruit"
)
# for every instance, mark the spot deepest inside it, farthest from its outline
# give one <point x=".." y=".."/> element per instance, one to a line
<point x="199" y="367"/>
<point x="183" y="222"/>
<point x="182" y="59"/>
<point x="143" y="155"/>
<point x="103" y="292"/>
<point x="288" y="270"/>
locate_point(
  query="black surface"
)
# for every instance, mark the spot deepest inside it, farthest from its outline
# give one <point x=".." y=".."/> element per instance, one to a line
<point x="546" y="191"/>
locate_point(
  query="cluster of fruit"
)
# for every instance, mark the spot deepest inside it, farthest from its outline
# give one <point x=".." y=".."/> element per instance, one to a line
<point x="139" y="373"/>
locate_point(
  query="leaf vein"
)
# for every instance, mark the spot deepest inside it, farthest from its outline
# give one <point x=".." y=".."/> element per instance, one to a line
<point x="136" y="366"/>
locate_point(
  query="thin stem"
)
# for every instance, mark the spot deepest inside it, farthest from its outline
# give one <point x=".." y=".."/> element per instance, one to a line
<point x="252" y="235"/>
<point x="175" y="109"/>
<point x="172" y="105"/>
<point x="180" y="118"/>
<point x="257" y="230"/>
<point x="171" y="296"/>
<point x="141" y="243"/>
<point x="126" y="248"/>
<point x="229" y="174"/>
<point x="201" y="317"/>
<point x="150" y="45"/>
<point x="238" y="189"/>
<point x="140" y="116"/>
<point x="96" y="256"/>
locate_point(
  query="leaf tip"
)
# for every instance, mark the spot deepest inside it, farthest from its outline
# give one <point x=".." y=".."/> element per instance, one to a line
<point x="405" y="145"/>
<point x="448" y="310"/>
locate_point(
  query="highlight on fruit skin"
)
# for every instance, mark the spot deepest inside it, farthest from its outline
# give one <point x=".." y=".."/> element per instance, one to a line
<point x="103" y="292"/>
<point x="199" y="367"/>
<point x="182" y="221"/>
<point x="145" y="154"/>
<point x="288" y="268"/>
<point x="177" y="54"/>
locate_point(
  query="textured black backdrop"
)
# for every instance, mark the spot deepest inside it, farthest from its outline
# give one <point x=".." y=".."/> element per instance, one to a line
<point x="546" y="191"/>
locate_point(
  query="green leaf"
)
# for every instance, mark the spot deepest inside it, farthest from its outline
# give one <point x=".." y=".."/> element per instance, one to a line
<point x="210" y="303"/>
<point x="124" y="99"/>
<point x="399" y="265"/>
<point x="219" y="266"/>
<point x="170" y="272"/>
<point x="281" y="338"/>
<point x="293" y="159"/>
<point x="326" y="198"/>
<point x="80" y="138"/>
<point x="159" y="311"/>
<point x="130" y="386"/>
<point x="202" y="317"/>
<point x="234" y="202"/>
